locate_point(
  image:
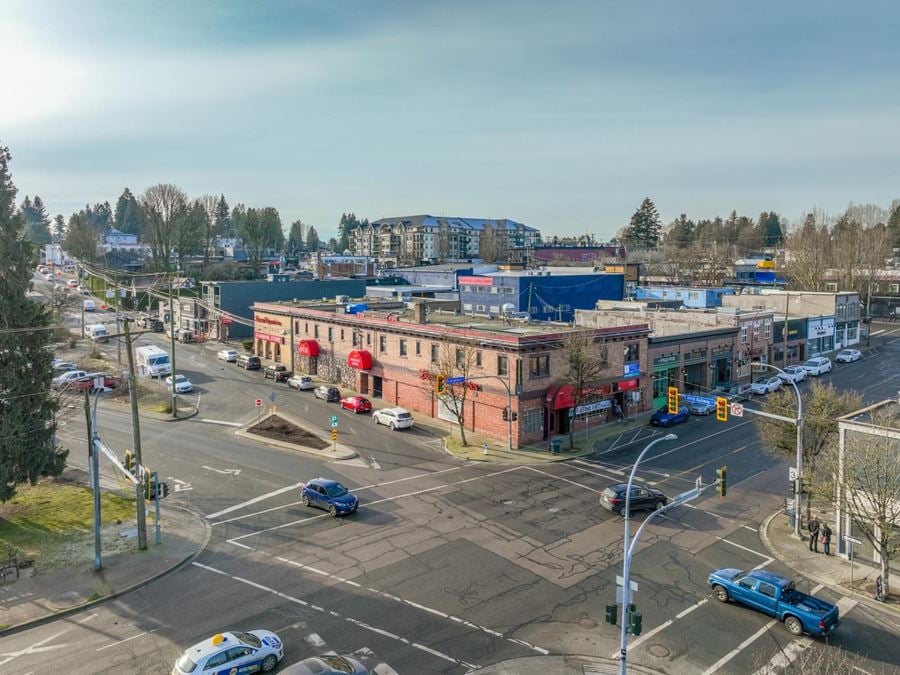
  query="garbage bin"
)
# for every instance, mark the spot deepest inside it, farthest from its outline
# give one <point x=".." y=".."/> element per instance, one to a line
<point x="554" y="447"/>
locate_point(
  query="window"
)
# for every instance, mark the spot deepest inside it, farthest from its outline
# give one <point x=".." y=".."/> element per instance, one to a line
<point x="495" y="309"/>
<point x="435" y="353"/>
<point x="418" y="348"/>
<point x="306" y="327"/>
<point x="461" y="358"/>
<point x="895" y="289"/>
<point x="316" y="331"/>
<point x="368" y="339"/>
<point x="539" y="366"/>
<point x="743" y="333"/>
<point x="402" y="347"/>
<point x="746" y="583"/>
<point x="467" y="306"/>
<point x="217" y="660"/>
<point x="831" y="287"/>
<point x="342" y="334"/>
<point x="382" y="343"/>
<point x="768" y="329"/>
<point x="478" y="359"/>
<point x="479" y="308"/>
<point x="767" y="589"/>
<point x="503" y="365"/>
<point x="532" y="421"/>
<point x="296" y="326"/>
<point x="330" y="334"/>
<point x="355" y="339"/>
<point x="851" y="333"/>
<point x="632" y="353"/>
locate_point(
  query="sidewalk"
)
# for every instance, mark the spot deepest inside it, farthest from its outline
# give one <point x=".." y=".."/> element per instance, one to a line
<point x="27" y="602"/>
<point x="561" y="665"/>
<point x="778" y="537"/>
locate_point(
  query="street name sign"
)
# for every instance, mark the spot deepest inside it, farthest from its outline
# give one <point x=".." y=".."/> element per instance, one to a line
<point x="454" y="380"/>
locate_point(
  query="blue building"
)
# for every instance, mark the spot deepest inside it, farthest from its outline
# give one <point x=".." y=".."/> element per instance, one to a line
<point x="699" y="298"/>
<point x="540" y="295"/>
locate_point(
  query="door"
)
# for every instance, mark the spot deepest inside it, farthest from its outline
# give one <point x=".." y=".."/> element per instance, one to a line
<point x="766" y="598"/>
<point x="376" y="386"/>
<point x="363" y="383"/>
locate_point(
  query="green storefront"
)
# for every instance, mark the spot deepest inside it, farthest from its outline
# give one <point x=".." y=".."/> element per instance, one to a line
<point x="665" y="370"/>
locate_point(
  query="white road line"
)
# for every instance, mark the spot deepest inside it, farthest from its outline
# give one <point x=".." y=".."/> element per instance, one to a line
<point x="255" y="500"/>
<point x="697" y="440"/>
<point x="749" y="550"/>
<point x="595" y="473"/>
<point x="36" y="648"/>
<point x="566" y="480"/>
<point x="377" y="501"/>
<point x="416" y="605"/>
<point x="356" y="622"/>
<point x="782" y="659"/>
<point x="113" y="644"/>
<point x="256" y="513"/>
<point x="662" y="626"/>
<point x="734" y="652"/>
<point x="844" y="605"/>
<point x="221" y="422"/>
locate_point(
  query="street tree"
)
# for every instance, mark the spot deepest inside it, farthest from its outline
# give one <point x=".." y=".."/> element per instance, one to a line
<point x="163" y="207"/>
<point x="770" y="228"/>
<point x="644" y="229"/>
<point x="868" y="475"/>
<point x="585" y="363"/>
<point x="455" y="360"/>
<point x="238" y="213"/>
<point x="822" y="406"/>
<point x="261" y="230"/>
<point x="28" y="448"/>
<point x="81" y="239"/>
<point x="332" y="245"/>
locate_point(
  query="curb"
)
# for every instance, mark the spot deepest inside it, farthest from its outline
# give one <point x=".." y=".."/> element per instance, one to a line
<point x="840" y="590"/>
<point x="343" y="452"/>
<point x="69" y="611"/>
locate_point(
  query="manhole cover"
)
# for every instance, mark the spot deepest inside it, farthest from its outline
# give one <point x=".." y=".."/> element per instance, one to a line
<point x="587" y="622"/>
<point x="658" y="650"/>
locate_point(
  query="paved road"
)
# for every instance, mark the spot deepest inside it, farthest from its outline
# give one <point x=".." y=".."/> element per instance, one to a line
<point x="449" y="565"/>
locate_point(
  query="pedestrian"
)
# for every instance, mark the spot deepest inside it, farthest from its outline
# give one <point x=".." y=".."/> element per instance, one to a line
<point x="826" y="539"/>
<point x="813" y="528"/>
<point x="617" y="410"/>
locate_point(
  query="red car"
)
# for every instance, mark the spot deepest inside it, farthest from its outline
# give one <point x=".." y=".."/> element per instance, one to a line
<point x="88" y="382"/>
<point x="357" y="404"/>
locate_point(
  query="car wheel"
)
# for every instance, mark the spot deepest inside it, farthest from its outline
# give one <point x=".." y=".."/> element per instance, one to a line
<point x="375" y="419"/>
<point x="333" y="511"/>
<point x="305" y="500"/>
<point x="622" y="511"/>
<point x="393" y="426"/>
<point x="792" y="623"/>
<point x="658" y="505"/>
<point x="269" y="662"/>
<point x="721" y="593"/>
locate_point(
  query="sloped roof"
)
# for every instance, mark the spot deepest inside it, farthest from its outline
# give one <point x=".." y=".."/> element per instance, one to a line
<point x="475" y="224"/>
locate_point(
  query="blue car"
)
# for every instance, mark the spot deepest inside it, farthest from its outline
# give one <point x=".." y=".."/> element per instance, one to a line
<point x="663" y="418"/>
<point x="330" y="495"/>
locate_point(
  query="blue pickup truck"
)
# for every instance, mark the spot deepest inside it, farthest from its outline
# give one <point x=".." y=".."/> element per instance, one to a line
<point x="776" y="596"/>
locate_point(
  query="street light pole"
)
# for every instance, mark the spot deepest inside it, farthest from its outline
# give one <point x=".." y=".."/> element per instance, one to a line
<point x="626" y="557"/>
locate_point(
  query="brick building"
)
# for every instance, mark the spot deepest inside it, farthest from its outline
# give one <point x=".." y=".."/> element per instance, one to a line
<point x="389" y="351"/>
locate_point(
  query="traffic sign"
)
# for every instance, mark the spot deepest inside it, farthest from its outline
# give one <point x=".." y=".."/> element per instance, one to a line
<point x="454" y="380"/>
<point x="334" y="420"/>
<point x="852" y="540"/>
<point x="691" y="398"/>
<point x="737" y="409"/>
<point x="792" y="473"/>
<point x="259" y="403"/>
<point x="334" y="434"/>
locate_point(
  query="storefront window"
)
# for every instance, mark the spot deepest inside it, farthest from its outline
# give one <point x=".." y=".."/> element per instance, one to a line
<point x="532" y="421"/>
<point x="660" y="384"/>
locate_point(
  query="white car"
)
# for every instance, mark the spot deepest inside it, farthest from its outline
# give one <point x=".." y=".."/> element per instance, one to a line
<point x="301" y="382"/>
<point x="848" y="356"/>
<point x="817" y="366"/>
<point x="793" y="374"/>
<point x="228" y="355"/>
<point x="62" y="380"/>
<point x="765" y="385"/>
<point x="182" y="384"/>
<point x="232" y="652"/>
<point x="395" y="418"/>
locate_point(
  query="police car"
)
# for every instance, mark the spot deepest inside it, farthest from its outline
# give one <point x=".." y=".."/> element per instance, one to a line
<point x="232" y="653"/>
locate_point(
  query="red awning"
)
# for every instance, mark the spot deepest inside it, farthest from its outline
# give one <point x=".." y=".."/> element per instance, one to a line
<point x="359" y="359"/>
<point x="560" y="396"/>
<point x="308" y="348"/>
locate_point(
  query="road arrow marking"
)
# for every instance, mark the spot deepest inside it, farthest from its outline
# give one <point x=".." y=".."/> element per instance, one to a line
<point x="180" y="485"/>
<point x="232" y="472"/>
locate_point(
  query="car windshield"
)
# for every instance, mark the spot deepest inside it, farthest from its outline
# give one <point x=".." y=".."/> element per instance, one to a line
<point x="248" y="639"/>
<point x="180" y="378"/>
<point x="811" y="364"/>
<point x="761" y="380"/>
<point x="336" y="490"/>
<point x="185" y="664"/>
<point x="337" y="664"/>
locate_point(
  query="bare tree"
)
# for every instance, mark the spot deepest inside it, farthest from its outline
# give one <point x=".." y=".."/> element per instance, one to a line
<point x="210" y="232"/>
<point x="443" y="241"/>
<point x="455" y="359"/>
<point x="164" y="205"/>
<point x="585" y="363"/>
<point x="868" y="474"/>
<point x="807" y="254"/>
<point x="487" y="243"/>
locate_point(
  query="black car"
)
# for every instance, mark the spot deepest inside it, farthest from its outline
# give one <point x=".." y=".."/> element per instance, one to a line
<point x="277" y="372"/>
<point x="326" y="393"/>
<point x="248" y="362"/>
<point x="642" y="498"/>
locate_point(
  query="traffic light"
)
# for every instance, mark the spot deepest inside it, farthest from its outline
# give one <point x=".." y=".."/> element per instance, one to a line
<point x="673" y="400"/>
<point x="720" y="474"/>
<point x="163" y="490"/>
<point x="514" y="416"/>
<point x="439" y="383"/>
<point x="721" y="408"/>
<point x="612" y="613"/>
<point x="635" y="622"/>
<point x="129" y="460"/>
<point x="506" y="414"/>
<point x="148" y="485"/>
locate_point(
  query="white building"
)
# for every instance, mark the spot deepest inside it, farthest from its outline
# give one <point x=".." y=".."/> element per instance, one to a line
<point x="115" y="240"/>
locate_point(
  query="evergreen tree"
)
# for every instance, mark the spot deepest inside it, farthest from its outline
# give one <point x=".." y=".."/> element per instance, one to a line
<point x="332" y="244"/>
<point x="121" y="206"/>
<point x="770" y="228"/>
<point x="37" y="222"/>
<point x="128" y="217"/>
<point x="644" y="228"/>
<point x="222" y="219"/>
<point x="312" y="239"/>
<point x="27" y="410"/>
<point x="58" y="228"/>
<point x="81" y="238"/>
<point x="347" y="224"/>
<point x="681" y="232"/>
<point x="894" y="226"/>
<point x="295" y="238"/>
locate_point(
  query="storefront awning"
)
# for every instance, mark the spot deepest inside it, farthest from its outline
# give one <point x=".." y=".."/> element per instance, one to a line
<point x="560" y="396"/>
<point x="359" y="359"/>
<point x="308" y="348"/>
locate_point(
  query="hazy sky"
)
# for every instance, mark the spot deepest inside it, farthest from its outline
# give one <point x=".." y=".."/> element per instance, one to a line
<point x="562" y="115"/>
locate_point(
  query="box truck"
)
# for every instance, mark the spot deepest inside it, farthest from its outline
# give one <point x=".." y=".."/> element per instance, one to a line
<point x="153" y="361"/>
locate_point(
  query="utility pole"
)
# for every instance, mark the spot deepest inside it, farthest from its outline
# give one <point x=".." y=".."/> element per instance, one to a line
<point x="95" y="480"/>
<point x="172" y="338"/>
<point x="787" y="301"/>
<point x="118" y="329"/>
<point x="136" y="441"/>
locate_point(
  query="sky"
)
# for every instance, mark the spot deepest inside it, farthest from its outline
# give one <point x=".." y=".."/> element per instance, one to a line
<point x="561" y="115"/>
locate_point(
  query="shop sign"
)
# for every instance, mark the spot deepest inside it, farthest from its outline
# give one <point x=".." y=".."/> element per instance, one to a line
<point x="476" y="281"/>
<point x="672" y="359"/>
<point x="821" y="328"/>
<point x="625" y="385"/>
<point x="632" y="369"/>
<point x="265" y="337"/>
<point x="265" y="319"/>
<point x="596" y="406"/>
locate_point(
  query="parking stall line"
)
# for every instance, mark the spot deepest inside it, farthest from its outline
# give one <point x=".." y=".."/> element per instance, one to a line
<point x="349" y="619"/>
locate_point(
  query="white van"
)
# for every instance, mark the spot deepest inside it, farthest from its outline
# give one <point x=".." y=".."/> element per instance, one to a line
<point x="96" y="332"/>
<point x="89" y="305"/>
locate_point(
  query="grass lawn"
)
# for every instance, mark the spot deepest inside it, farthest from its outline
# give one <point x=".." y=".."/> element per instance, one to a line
<point x="49" y="515"/>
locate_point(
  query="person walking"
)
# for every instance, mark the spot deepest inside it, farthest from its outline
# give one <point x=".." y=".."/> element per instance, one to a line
<point x="826" y="539"/>
<point x="813" y="528"/>
<point x="617" y="411"/>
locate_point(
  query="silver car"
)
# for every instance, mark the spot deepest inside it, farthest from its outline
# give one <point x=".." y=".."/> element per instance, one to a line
<point x="326" y="665"/>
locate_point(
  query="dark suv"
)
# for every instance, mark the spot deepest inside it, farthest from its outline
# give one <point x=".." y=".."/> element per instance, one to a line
<point x="249" y="362"/>
<point x="642" y="498"/>
<point x="277" y="372"/>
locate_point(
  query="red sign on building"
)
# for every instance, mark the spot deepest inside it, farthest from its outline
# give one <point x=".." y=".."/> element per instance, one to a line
<point x="265" y="337"/>
<point x="477" y="281"/>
